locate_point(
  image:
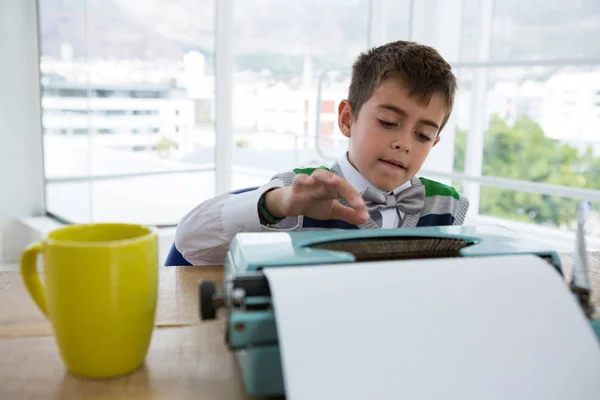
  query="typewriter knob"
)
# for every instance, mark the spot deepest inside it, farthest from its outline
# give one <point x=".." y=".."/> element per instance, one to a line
<point x="207" y="291"/>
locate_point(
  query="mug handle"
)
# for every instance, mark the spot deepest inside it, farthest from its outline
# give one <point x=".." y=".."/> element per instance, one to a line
<point x="31" y="278"/>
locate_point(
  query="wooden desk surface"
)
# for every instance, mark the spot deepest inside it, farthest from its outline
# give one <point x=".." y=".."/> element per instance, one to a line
<point x="187" y="358"/>
<point x="183" y="363"/>
<point x="177" y="301"/>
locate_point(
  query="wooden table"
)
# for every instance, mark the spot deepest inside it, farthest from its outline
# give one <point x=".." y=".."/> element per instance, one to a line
<point x="187" y="358"/>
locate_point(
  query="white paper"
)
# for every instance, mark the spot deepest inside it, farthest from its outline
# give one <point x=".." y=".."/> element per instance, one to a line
<point x="462" y="328"/>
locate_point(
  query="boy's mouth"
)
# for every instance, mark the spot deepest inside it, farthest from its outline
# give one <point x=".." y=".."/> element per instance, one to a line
<point x="394" y="164"/>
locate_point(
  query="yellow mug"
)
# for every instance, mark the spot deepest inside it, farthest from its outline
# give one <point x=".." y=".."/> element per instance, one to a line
<point x="100" y="294"/>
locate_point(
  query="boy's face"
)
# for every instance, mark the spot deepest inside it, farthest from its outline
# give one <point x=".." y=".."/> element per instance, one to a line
<point x="392" y="135"/>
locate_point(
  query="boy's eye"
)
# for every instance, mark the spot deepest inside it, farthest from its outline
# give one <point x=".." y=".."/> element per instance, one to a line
<point x="387" y="124"/>
<point x="423" y="137"/>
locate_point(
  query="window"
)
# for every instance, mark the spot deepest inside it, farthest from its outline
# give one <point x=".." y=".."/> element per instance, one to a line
<point x="121" y="86"/>
<point x="531" y="108"/>
<point x="281" y="49"/>
<point x="135" y="119"/>
<point x="525" y="111"/>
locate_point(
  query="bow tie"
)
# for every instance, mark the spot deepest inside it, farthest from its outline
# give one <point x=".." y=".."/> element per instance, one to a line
<point x="409" y="201"/>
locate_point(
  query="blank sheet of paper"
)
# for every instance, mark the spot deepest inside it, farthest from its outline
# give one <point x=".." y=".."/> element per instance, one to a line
<point x="462" y="328"/>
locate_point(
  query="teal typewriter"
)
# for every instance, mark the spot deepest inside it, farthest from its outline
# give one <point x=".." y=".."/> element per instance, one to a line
<point x="250" y="325"/>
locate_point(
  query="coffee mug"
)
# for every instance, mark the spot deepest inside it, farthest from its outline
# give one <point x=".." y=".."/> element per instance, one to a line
<point x="99" y="292"/>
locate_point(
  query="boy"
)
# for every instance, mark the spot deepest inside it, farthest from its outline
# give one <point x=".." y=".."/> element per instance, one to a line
<point x="400" y="97"/>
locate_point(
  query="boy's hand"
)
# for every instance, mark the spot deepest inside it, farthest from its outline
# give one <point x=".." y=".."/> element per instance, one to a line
<point x="316" y="197"/>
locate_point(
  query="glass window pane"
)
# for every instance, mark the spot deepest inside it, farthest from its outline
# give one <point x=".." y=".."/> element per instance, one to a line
<point x="396" y="20"/>
<point x="281" y="51"/>
<point x="128" y="101"/>
<point x="162" y="199"/>
<point x="542" y="29"/>
<point x="471" y="28"/>
<point x="535" y="30"/>
<point x="541" y="125"/>
<point x="539" y="117"/>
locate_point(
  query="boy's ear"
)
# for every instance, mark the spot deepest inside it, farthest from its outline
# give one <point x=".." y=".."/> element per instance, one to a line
<point x="345" y="117"/>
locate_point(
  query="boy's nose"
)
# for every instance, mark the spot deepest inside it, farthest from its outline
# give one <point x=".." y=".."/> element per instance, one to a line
<point x="401" y="145"/>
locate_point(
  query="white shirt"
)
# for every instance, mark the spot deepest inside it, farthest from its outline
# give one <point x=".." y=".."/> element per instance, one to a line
<point x="203" y="235"/>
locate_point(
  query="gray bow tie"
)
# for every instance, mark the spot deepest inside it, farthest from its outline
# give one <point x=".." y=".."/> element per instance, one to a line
<point x="409" y="201"/>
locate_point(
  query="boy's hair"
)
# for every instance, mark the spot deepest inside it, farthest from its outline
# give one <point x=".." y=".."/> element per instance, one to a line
<point x="421" y="69"/>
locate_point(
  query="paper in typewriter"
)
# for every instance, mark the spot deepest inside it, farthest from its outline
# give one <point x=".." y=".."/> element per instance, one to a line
<point x="480" y="328"/>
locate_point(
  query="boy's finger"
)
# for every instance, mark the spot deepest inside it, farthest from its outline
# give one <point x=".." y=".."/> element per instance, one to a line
<point x="307" y="187"/>
<point x="303" y="180"/>
<point x="350" y="215"/>
<point x="341" y="186"/>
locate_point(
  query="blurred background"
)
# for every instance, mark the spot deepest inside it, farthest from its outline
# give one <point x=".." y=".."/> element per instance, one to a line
<point x="146" y="108"/>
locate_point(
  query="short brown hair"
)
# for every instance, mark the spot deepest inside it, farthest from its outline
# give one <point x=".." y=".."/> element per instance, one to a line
<point x="422" y="70"/>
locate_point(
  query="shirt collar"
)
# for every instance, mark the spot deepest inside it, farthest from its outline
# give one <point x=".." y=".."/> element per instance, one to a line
<point x="359" y="182"/>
